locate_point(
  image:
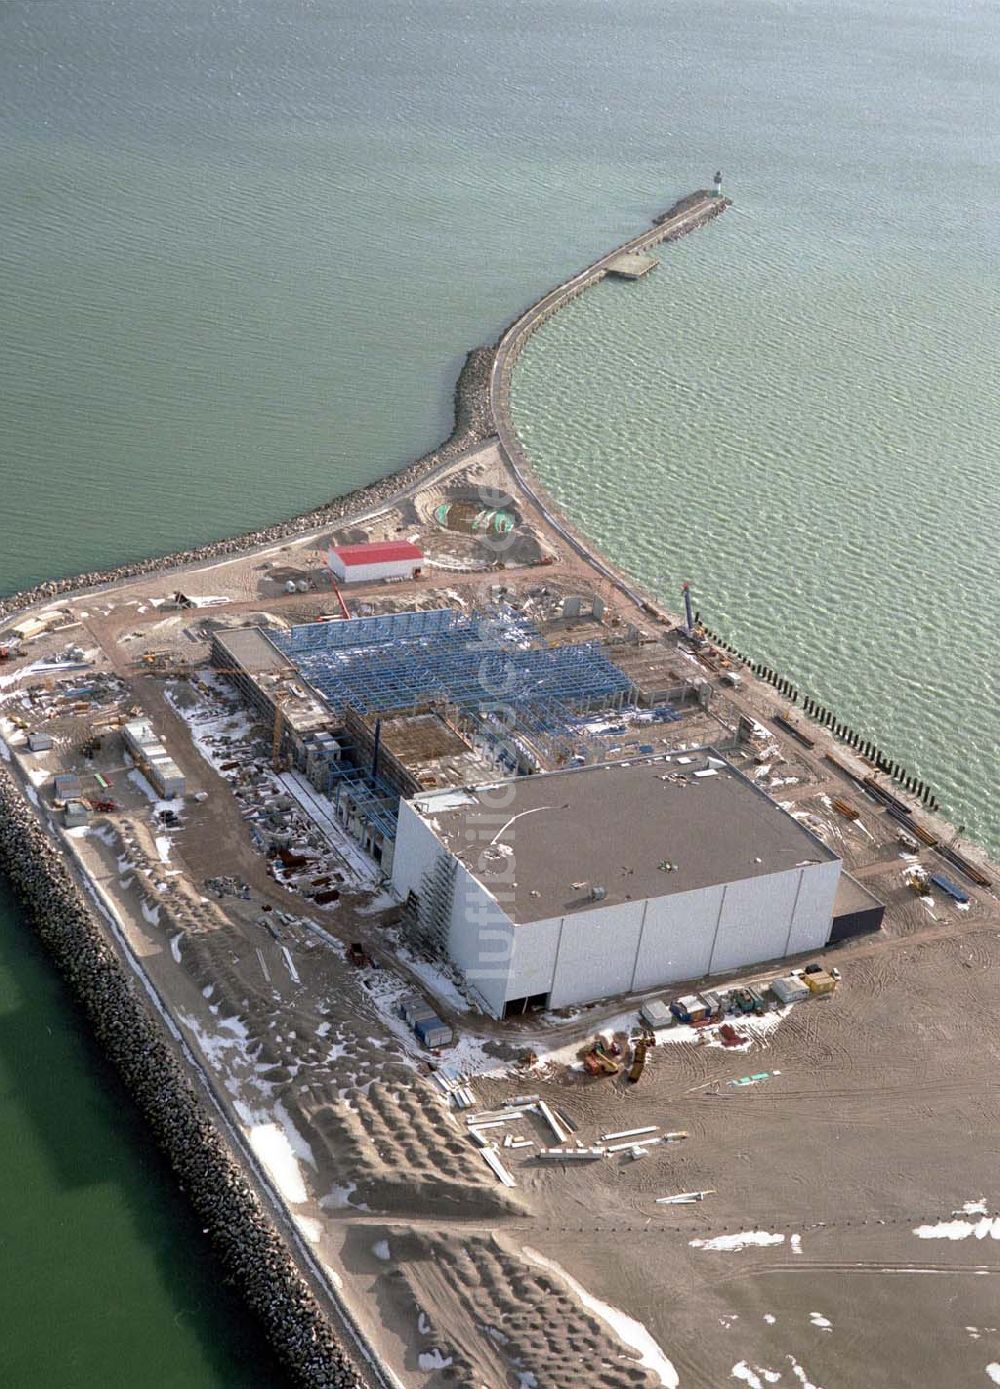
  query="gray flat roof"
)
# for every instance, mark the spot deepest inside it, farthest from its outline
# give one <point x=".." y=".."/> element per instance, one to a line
<point x="543" y="842"/>
<point x="853" y="896"/>
<point x="252" y="650"/>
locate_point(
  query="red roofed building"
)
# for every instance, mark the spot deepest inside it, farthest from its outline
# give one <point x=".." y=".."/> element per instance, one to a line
<point x="379" y="559"/>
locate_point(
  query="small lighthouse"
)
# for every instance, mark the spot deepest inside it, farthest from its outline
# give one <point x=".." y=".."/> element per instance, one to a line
<point x="717" y="183"/>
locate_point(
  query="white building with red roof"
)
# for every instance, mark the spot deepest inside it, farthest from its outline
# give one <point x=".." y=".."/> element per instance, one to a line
<point x="378" y="559"/>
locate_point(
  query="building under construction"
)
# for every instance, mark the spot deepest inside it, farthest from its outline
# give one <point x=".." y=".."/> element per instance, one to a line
<point x="379" y="708"/>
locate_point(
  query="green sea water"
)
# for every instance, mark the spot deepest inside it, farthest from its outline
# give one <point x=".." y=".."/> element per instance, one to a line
<point x="103" y="1270"/>
<point x="243" y="250"/>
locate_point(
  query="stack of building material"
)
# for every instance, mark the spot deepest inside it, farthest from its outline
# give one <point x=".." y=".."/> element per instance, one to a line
<point x="429" y="1028"/>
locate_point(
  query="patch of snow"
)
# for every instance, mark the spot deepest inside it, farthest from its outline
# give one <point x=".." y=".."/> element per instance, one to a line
<point x="312" y="1229"/>
<point x="769" y="1318"/>
<point x="273" y="1150"/>
<point x="736" y="1242"/>
<point x="993" y="1372"/>
<point x="796" y="1243"/>
<point x="137" y="779"/>
<point x="163" y="847"/>
<point x="800" y="1374"/>
<point x="973" y="1208"/>
<point x="32" y="795"/>
<point x="819" y="1320"/>
<point x="150" y="914"/>
<point x="437" y="980"/>
<point x="339" y="1198"/>
<point x="987" y="1228"/>
<point x="743" y="1372"/>
<point x="175" y="946"/>
<point x="296" y="1142"/>
<point x="632" y="1333"/>
<point x="754" y="1375"/>
<point x="382" y="1251"/>
<point x="423" y="1325"/>
<point x="433" y="1359"/>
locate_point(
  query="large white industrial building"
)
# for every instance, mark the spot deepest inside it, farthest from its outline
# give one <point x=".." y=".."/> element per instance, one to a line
<point x="377" y="559"/>
<point x="560" y="889"/>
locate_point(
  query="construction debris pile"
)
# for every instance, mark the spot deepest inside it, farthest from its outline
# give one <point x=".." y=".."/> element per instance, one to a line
<point x="305" y="854"/>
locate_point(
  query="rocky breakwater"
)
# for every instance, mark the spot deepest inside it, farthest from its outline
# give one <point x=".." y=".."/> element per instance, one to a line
<point x="686" y="215"/>
<point x="473" y="424"/>
<point x="245" y="1240"/>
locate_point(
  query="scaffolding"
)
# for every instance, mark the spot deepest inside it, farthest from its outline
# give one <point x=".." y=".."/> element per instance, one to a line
<point x="405" y="660"/>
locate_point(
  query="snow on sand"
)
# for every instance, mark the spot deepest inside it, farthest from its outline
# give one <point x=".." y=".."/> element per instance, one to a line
<point x="631" y="1332"/>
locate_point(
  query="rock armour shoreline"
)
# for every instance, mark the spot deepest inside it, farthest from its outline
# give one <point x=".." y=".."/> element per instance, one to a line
<point x="473" y="425"/>
<point x="244" y="1238"/>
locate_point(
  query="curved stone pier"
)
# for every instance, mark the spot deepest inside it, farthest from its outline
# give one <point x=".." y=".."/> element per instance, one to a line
<point x="684" y="217"/>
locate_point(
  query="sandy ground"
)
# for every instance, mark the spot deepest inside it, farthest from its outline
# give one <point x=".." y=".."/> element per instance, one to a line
<point x="851" y="1235"/>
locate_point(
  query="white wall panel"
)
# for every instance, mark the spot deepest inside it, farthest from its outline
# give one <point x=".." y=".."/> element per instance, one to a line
<point x="416" y="849"/>
<point x="677" y="937"/>
<point x="814" y="909"/>
<point x="536" y="944"/>
<point x="481" y="940"/>
<point x="756" y="916"/>
<point x="597" y="953"/>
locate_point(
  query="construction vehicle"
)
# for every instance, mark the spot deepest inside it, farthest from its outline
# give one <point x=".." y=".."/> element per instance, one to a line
<point x="640" y="1048"/>
<point x="919" y="882"/>
<point x="598" y="1060"/>
<point x="747" y="1000"/>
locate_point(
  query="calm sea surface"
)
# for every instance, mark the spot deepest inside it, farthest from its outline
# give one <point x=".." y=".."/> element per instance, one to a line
<point x="243" y="248"/>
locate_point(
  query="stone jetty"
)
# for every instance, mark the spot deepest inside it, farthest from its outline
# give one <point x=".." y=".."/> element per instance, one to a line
<point x="473" y="425"/>
<point x="245" y="1239"/>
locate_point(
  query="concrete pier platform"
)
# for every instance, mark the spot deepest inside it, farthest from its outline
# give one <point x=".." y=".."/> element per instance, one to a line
<point x="632" y="265"/>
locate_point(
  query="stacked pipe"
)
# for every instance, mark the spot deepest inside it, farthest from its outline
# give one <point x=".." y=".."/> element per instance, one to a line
<point x="242" y="1234"/>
